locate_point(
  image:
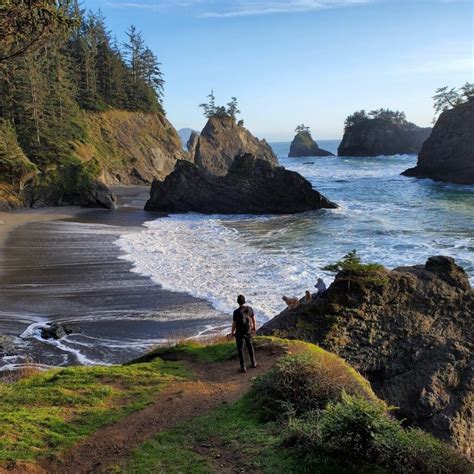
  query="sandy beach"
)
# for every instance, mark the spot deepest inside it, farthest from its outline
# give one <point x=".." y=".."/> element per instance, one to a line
<point x="60" y="265"/>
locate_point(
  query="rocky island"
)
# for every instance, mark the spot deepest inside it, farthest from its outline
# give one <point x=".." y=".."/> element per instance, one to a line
<point x="304" y="145"/>
<point x="381" y="132"/>
<point x="448" y="153"/>
<point x="409" y="331"/>
<point x="222" y="139"/>
<point x="251" y="186"/>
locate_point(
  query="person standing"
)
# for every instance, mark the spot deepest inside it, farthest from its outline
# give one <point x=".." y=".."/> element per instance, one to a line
<point x="244" y="327"/>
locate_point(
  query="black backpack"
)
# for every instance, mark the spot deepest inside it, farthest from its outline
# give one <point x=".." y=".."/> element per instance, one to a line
<point x="244" y="324"/>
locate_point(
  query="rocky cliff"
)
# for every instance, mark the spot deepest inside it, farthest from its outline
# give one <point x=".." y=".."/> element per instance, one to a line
<point x="131" y="147"/>
<point x="304" y="145"/>
<point x="375" y="137"/>
<point x="116" y="147"/>
<point x="221" y="140"/>
<point x="251" y="186"/>
<point x="410" y="331"/>
<point x="448" y="153"/>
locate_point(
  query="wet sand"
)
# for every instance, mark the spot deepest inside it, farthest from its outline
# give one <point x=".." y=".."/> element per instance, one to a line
<point x="69" y="271"/>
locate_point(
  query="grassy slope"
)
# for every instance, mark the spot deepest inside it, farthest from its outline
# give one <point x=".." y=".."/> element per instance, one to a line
<point x="47" y="412"/>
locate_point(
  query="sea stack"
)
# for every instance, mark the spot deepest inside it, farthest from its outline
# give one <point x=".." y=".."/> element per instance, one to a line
<point x="448" y="153"/>
<point x="409" y="331"/>
<point x="222" y="139"/>
<point x="251" y="186"/>
<point x="304" y="145"/>
<point x="381" y="132"/>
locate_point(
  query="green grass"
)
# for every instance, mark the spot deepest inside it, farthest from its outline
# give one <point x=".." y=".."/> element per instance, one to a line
<point x="47" y="412"/>
<point x="218" y="351"/>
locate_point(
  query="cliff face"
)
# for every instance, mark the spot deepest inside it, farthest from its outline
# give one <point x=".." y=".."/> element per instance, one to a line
<point x="448" y="153"/>
<point x="376" y="137"/>
<point x="131" y="147"/>
<point x="221" y="140"/>
<point x="252" y="186"/>
<point x="117" y="147"/>
<point x="410" y="332"/>
<point x="304" y="145"/>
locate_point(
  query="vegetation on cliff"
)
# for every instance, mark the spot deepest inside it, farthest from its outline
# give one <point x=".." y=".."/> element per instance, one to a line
<point x="50" y="85"/>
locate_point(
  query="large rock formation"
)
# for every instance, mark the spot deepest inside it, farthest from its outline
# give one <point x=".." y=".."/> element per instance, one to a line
<point x="304" y="145"/>
<point x="251" y="186"/>
<point x="375" y="137"/>
<point x="221" y="140"/>
<point x="409" y="331"/>
<point x="448" y="154"/>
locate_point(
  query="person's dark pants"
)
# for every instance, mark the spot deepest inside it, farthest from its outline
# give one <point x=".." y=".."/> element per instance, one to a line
<point x="239" y="339"/>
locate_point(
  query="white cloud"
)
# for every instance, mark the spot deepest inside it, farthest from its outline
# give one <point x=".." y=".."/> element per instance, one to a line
<point x="259" y="8"/>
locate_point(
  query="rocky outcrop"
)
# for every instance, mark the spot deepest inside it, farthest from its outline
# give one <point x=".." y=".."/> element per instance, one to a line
<point x="221" y="140"/>
<point x="58" y="331"/>
<point x="409" y="331"/>
<point x="251" y="186"/>
<point x="132" y="148"/>
<point x="375" y="137"/>
<point x="95" y="194"/>
<point x="192" y="143"/>
<point x="448" y="154"/>
<point x="304" y="145"/>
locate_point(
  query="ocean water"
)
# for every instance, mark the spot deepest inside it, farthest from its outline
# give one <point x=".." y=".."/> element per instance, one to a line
<point x="387" y="218"/>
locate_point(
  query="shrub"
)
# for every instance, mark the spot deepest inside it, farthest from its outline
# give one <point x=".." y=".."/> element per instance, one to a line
<point x="351" y="262"/>
<point x="351" y="427"/>
<point x="362" y="433"/>
<point x="304" y="382"/>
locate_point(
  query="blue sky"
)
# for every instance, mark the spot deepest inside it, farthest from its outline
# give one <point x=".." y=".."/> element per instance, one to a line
<point x="294" y="61"/>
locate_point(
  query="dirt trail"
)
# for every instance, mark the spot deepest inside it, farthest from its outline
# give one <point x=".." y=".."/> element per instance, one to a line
<point x="110" y="446"/>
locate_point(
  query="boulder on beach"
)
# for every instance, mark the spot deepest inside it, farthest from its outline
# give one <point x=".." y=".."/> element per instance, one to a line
<point x="448" y="153"/>
<point x="304" y="145"/>
<point x="221" y="140"/>
<point x="379" y="133"/>
<point x="251" y="186"/>
<point x="409" y="331"/>
<point x="58" y="331"/>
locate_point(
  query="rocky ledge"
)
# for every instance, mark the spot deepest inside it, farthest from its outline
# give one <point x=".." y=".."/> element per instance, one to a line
<point x="448" y="154"/>
<point x="252" y="186"/>
<point x="221" y="140"/>
<point x="409" y="331"/>
<point x="304" y="145"/>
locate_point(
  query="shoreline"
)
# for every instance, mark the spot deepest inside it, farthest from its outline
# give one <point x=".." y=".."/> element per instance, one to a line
<point x="70" y="272"/>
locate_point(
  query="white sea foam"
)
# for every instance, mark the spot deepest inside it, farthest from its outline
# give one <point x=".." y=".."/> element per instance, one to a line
<point x="208" y="258"/>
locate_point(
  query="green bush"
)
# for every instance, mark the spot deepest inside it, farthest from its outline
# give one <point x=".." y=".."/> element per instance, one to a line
<point x="352" y="427"/>
<point x="351" y="262"/>
<point x="362" y="433"/>
<point x="303" y="382"/>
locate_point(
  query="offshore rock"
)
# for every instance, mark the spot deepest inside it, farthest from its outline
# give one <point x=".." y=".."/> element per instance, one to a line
<point x="448" y="154"/>
<point x="304" y="145"/>
<point x="252" y="186"/>
<point x="376" y="137"/>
